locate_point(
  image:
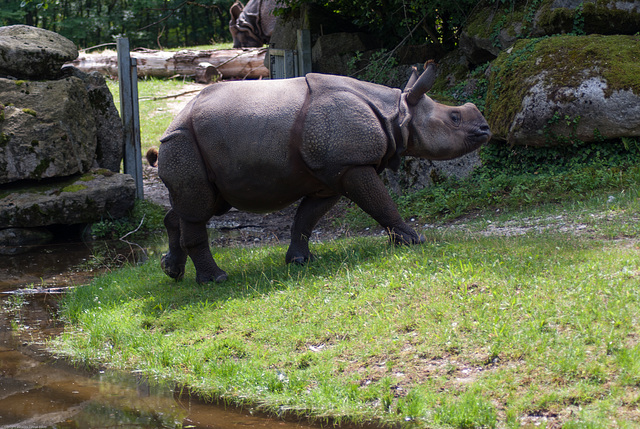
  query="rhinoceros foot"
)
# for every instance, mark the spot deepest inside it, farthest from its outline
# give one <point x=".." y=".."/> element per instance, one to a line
<point x="217" y="277"/>
<point x="173" y="266"/>
<point x="405" y="237"/>
<point x="299" y="259"/>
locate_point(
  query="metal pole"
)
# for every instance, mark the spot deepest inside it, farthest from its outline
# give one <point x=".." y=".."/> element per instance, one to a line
<point x="128" y="80"/>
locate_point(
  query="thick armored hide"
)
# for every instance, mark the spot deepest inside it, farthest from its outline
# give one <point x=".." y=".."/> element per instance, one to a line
<point x="566" y="89"/>
<point x="33" y="53"/>
<point x="77" y="200"/>
<point x="47" y="129"/>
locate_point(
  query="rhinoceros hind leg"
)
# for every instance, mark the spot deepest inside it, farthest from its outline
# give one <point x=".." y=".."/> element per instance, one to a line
<point x="195" y="240"/>
<point x="174" y="261"/>
<point x="363" y="186"/>
<point x="310" y="210"/>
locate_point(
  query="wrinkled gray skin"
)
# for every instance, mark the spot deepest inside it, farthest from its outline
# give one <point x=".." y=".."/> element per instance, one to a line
<point x="251" y="25"/>
<point x="260" y="146"/>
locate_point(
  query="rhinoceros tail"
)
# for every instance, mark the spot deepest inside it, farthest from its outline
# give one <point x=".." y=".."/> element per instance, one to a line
<point x="152" y="156"/>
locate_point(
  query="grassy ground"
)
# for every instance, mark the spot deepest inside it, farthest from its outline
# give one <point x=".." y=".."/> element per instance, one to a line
<point x="471" y="329"/>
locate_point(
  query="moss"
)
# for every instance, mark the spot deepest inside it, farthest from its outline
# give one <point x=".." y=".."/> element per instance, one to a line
<point x="30" y="112"/>
<point x="568" y="61"/>
<point x="4" y="139"/>
<point x="40" y="169"/>
<point x="76" y="187"/>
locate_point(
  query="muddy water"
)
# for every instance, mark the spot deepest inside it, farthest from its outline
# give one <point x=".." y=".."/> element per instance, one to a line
<point x="39" y="391"/>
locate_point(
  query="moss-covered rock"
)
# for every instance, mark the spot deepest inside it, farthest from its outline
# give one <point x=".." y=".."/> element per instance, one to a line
<point x="493" y="28"/>
<point x="80" y="199"/>
<point x="562" y="89"/>
<point x="55" y="114"/>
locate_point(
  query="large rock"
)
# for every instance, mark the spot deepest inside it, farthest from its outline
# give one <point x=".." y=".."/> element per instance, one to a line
<point x="565" y="89"/>
<point x="33" y="53"/>
<point x="78" y="200"/>
<point x="491" y="29"/>
<point x="47" y="129"/>
<point x="109" y="129"/>
<point x="415" y="173"/>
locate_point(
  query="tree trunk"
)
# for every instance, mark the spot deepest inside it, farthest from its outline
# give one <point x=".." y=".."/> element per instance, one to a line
<point x="230" y="63"/>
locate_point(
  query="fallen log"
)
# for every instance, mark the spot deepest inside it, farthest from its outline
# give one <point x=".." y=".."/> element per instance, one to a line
<point x="229" y="63"/>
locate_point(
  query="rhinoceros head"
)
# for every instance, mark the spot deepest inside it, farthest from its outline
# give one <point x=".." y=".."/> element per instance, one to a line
<point x="437" y="131"/>
<point x="245" y="26"/>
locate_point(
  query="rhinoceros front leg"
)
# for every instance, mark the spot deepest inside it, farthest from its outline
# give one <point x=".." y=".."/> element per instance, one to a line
<point x="310" y="210"/>
<point x="363" y="186"/>
<point x="174" y="261"/>
<point x="195" y="240"/>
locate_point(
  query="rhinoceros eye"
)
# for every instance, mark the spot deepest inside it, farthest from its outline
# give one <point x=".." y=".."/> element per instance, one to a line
<point x="456" y="118"/>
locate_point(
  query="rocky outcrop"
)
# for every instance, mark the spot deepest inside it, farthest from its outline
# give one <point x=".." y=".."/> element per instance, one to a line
<point x="565" y="89"/>
<point x="60" y="139"/>
<point x="48" y="129"/>
<point x="33" y="53"/>
<point x="493" y="29"/>
<point x="75" y="200"/>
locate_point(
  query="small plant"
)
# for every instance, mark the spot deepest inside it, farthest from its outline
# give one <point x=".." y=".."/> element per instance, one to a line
<point x="379" y="67"/>
<point x="144" y="218"/>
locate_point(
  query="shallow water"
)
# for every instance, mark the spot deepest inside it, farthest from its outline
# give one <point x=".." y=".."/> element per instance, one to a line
<point x="39" y="391"/>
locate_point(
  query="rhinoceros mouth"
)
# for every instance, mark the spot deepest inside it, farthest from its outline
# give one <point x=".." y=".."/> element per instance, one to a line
<point x="478" y="138"/>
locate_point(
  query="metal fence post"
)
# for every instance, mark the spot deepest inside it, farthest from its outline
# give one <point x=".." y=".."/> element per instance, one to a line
<point x="304" y="52"/>
<point x="128" y="81"/>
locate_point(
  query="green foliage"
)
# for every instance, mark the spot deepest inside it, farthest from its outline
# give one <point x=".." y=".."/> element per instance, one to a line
<point x="147" y="23"/>
<point x="478" y="83"/>
<point x="145" y="217"/>
<point x="379" y="68"/>
<point x="513" y="177"/>
<point x="417" y="22"/>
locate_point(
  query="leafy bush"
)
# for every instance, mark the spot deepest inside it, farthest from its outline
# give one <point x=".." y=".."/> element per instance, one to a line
<point x="145" y="217"/>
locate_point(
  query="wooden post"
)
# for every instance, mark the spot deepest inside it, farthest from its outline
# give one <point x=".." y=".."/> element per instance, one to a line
<point x="128" y="80"/>
<point x="304" y="52"/>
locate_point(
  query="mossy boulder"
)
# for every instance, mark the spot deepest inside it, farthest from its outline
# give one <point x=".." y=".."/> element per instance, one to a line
<point x="564" y="89"/>
<point x="491" y="29"/>
<point x="76" y="200"/>
<point x="49" y="129"/>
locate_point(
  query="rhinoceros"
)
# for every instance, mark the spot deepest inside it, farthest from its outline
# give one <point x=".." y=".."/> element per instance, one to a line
<point x="251" y="25"/>
<point x="260" y="146"/>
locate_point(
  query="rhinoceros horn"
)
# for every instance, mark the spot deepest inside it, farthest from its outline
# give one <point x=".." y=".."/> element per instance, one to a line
<point x="412" y="79"/>
<point x="423" y="84"/>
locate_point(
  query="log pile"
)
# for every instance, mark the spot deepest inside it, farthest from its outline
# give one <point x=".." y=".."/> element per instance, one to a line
<point x="202" y="65"/>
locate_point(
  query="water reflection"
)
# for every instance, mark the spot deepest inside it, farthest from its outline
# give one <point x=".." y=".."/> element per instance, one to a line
<point x="39" y="391"/>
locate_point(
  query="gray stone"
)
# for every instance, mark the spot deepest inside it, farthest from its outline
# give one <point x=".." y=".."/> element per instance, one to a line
<point x="332" y="52"/>
<point x="48" y="129"/>
<point x="109" y="129"/>
<point x="415" y="174"/>
<point x="613" y="116"/>
<point x="78" y="200"/>
<point x="491" y="30"/>
<point x="33" y="53"/>
<point x="565" y="89"/>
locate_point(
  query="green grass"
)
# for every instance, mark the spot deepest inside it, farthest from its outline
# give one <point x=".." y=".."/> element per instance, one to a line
<point x="465" y="331"/>
<point x="155" y="114"/>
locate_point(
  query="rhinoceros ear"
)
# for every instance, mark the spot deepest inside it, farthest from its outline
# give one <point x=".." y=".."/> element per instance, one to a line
<point x="412" y="79"/>
<point x="423" y="84"/>
<point x="235" y="10"/>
